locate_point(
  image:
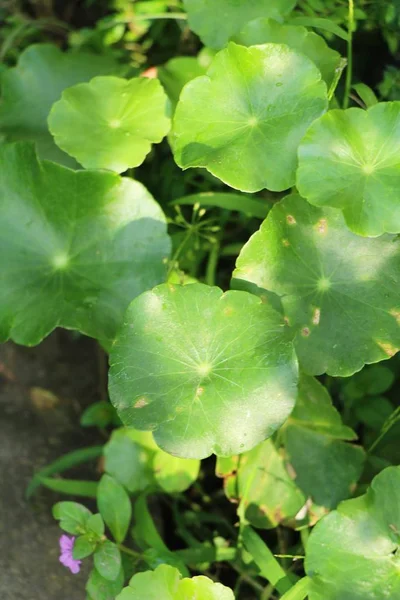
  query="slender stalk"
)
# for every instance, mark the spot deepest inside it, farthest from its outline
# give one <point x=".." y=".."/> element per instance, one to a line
<point x="392" y="420"/>
<point x="298" y="591"/>
<point x="129" y="551"/>
<point x="349" y="72"/>
<point x="212" y="264"/>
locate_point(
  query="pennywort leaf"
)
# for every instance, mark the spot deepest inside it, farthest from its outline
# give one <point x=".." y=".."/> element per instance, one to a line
<point x="199" y="369"/>
<point x="351" y="160"/>
<point x="238" y="120"/>
<point x="343" y="300"/>
<point x="110" y="122"/>
<point x="79" y="246"/>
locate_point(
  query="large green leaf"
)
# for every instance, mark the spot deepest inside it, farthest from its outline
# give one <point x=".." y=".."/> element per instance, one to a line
<point x="30" y="89"/>
<point x="239" y="121"/>
<point x="205" y="371"/>
<point x="77" y="247"/>
<point x="215" y="28"/>
<point x="350" y="159"/>
<point x="110" y="122"/>
<point x="326" y="467"/>
<point x="165" y="583"/>
<point x="263" y="486"/>
<point x="263" y="31"/>
<point x="353" y="553"/>
<point x="339" y="291"/>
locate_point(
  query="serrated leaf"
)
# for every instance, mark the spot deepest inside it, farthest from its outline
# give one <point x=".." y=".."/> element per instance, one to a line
<point x="110" y="123"/>
<point x="353" y="552"/>
<point x="30" y="89"/>
<point x="107" y="560"/>
<point x="215" y="32"/>
<point x="339" y="291"/>
<point x="263" y="31"/>
<point x="73" y="516"/>
<point x="327" y="468"/>
<point x="114" y="506"/>
<point x="199" y="369"/>
<point x="78" y="247"/>
<point x="267" y="493"/>
<point x="350" y="159"/>
<point x="238" y="121"/>
<point x="165" y="583"/>
<point x="100" y="588"/>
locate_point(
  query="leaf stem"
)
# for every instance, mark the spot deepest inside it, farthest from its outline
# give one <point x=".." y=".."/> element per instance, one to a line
<point x="212" y="263"/>
<point x="299" y="591"/>
<point x="349" y="72"/>
<point x="388" y="424"/>
<point x="129" y="551"/>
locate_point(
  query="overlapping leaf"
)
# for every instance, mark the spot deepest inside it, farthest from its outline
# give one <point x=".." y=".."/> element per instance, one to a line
<point x="351" y="160"/>
<point x="263" y="31"/>
<point x="30" y="89"/>
<point x="339" y="291"/>
<point x="215" y="29"/>
<point x="110" y="122"/>
<point x="244" y="120"/>
<point x="205" y="371"/>
<point x="353" y="552"/>
<point x="326" y="466"/>
<point x="77" y="247"/>
<point x="261" y="483"/>
<point x="166" y="583"/>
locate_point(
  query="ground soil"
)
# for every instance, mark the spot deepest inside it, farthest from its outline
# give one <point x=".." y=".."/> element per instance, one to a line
<point x="37" y="427"/>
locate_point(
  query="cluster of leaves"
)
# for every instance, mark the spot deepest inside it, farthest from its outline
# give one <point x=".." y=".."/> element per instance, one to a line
<point x="196" y="371"/>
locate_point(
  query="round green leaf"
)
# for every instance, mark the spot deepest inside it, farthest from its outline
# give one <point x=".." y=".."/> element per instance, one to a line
<point x="205" y="371"/>
<point x="353" y="553"/>
<point x="350" y="159"/>
<point x="166" y="583"/>
<point x="239" y="121"/>
<point x="175" y="474"/>
<point x="110" y="123"/>
<point x="175" y="73"/>
<point x="30" y="89"/>
<point x="262" y="31"/>
<point x="77" y="247"/>
<point x="215" y="30"/>
<point x="338" y="290"/>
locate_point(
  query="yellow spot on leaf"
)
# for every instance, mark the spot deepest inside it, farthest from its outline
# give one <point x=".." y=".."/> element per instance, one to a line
<point x="142" y="402"/>
<point x="395" y="312"/>
<point x="388" y="348"/>
<point x="286" y="243"/>
<point x="291" y="220"/>
<point x="316" y="316"/>
<point x="305" y="332"/>
<point x="322" y="226"/>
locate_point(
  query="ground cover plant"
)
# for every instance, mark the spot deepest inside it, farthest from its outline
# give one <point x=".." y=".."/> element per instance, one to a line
<point x="211" y="191"/>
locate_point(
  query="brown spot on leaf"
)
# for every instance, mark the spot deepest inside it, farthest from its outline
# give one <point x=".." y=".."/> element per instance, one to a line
<point x="322" y="226"/>
<point x="316" y="316"/>
<point x="199" y="392"/>
<point x="228" y="311"/>
<point x="305" y="332"/>
<point x="388" y="348"/>
<point x="286" y="243"/>
<point x="395" y="312"/>
<point x="291" y="220"/>
<point x="141" y="402"/>
<point x="291" y="472"/>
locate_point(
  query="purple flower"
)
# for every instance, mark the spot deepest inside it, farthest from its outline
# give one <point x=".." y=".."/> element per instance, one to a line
<point x="66" y="558"/>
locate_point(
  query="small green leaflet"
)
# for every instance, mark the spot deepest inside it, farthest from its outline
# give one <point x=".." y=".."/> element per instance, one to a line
<point x="30" y="89"/>
<point x="207" y="372"/>
<point x="238" y="120"/>
<point x="353" y="553"/>
<point x="114" y="506"/>
<point x="165" y="583"/>
<point x="216" y="29"/>
<point x="339" y="291"/>
<point x="262" y="31"/>
<point x="110" y="123"/>
<point x="78" y="247"/>
<point x="350" y="159"/>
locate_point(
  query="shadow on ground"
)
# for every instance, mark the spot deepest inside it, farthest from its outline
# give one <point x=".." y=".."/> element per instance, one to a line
<point x="37" y="427"/>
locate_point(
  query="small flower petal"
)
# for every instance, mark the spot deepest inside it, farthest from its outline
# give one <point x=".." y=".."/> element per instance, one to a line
<point x="66" y="558"/>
